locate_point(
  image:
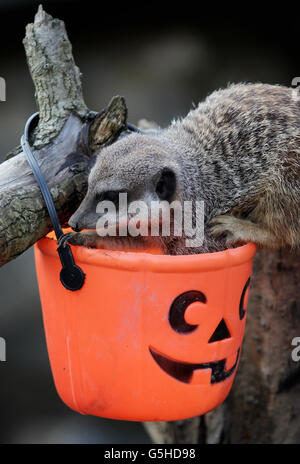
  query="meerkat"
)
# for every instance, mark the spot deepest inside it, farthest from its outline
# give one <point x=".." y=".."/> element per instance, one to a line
<point x="237" y="151"/>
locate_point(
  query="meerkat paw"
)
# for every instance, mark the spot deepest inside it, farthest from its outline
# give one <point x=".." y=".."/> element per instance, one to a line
<point x="235" y="230"/>
<point x="243" y="231"/>
<point x="88" y="238"/>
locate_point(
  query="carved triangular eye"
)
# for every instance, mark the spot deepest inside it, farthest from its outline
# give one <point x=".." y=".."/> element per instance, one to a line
<point x="220" y="333"/>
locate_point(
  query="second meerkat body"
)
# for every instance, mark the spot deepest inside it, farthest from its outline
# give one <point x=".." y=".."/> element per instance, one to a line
<point x="238" y="151"/>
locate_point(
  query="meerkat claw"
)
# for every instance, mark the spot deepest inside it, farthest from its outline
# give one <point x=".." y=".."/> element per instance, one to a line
<point x="65" y="239"/>
<point x="218" y="226"/>
<point x="229" y="226"/>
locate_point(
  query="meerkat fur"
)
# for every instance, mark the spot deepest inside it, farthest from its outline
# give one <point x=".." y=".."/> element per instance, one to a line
<point x="238" y="151"/>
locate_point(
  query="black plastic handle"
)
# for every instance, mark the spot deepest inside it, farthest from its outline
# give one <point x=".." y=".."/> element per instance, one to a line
<point x="71" y="276"/>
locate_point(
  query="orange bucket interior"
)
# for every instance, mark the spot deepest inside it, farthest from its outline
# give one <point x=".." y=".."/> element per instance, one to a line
<point x="148" y="337"/>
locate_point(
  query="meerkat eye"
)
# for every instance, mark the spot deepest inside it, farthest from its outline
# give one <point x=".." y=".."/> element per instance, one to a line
<point x="166" y="186"/>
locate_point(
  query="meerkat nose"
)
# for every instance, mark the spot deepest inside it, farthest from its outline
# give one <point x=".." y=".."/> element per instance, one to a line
<point x="76" y="228"/>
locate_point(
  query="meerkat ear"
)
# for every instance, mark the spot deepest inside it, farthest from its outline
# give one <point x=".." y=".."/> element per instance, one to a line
<point x="108" y="124"/>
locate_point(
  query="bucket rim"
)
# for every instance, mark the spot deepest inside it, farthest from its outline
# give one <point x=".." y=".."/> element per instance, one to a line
<point x="143" y="261"/>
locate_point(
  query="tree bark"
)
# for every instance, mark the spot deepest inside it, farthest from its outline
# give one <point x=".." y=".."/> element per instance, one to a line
<point x="263" y="405"/>
<point x="62" y="143"/>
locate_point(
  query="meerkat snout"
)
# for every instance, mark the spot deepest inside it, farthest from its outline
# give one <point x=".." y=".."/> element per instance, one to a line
<point x="75" y="227"/>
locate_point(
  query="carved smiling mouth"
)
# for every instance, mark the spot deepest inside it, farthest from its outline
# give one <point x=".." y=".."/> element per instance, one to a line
<point x="183" y="371"/>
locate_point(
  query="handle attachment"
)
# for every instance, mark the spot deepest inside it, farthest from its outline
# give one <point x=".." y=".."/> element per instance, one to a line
<point x="71" y="276"/>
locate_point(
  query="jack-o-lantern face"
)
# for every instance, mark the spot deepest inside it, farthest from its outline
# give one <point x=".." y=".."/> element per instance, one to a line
<point x="146" y="337"/>
<point x="183" y="371"/>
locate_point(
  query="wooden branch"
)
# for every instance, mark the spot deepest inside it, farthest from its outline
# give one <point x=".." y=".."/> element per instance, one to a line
<point x="106" y="125"/>
<point x="55" y="76"/>
<point x="59" y="142"/>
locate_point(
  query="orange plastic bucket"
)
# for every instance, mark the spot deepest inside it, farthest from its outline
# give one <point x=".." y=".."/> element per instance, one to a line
<point x="148" y="337"/>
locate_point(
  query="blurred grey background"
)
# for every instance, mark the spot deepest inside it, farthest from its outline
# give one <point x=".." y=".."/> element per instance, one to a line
<point x="162" y="62"/>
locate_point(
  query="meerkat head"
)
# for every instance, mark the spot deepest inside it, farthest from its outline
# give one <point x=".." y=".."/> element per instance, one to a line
<point x="140" y="166"/>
